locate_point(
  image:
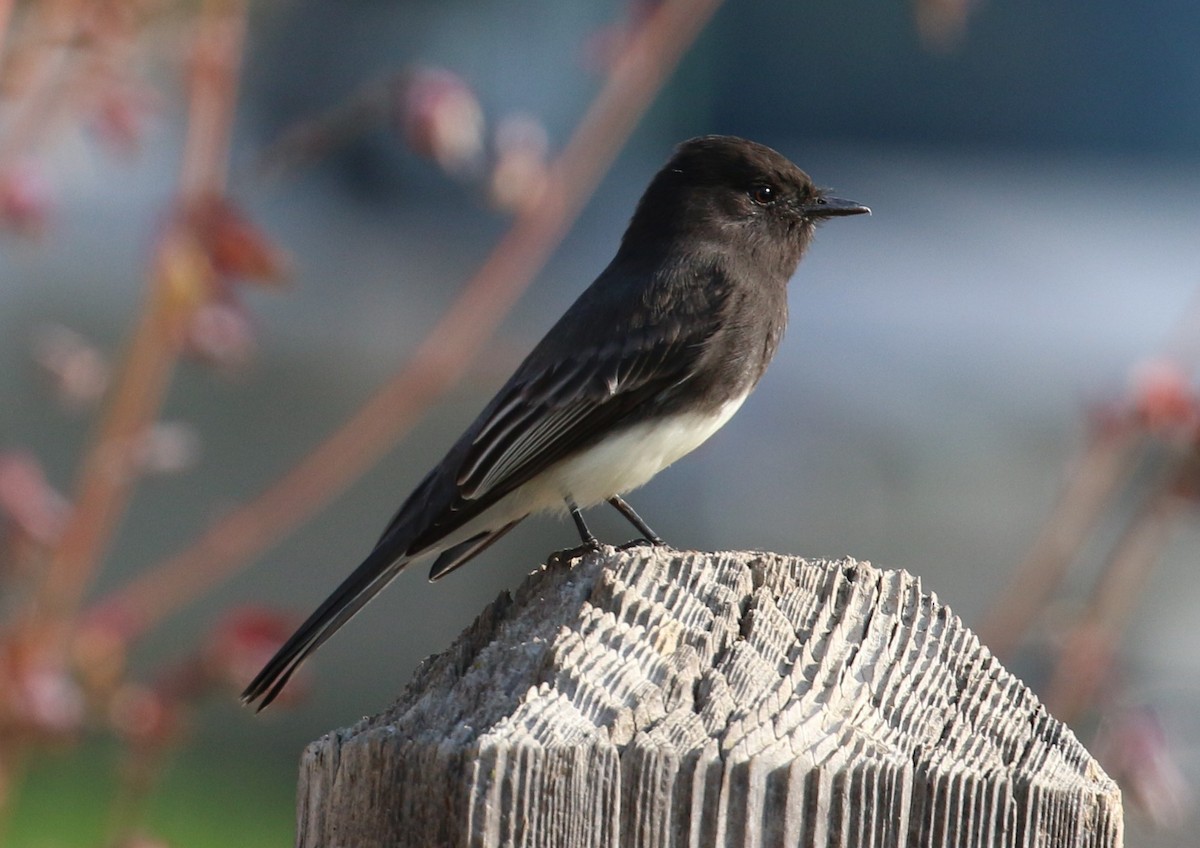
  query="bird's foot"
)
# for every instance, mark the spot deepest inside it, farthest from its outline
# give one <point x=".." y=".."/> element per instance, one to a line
<point x="571" y="554"/>
<point x="642" y="543"/>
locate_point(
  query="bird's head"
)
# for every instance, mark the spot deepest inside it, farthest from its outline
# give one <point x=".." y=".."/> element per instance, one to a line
<point x="735" y="195"/>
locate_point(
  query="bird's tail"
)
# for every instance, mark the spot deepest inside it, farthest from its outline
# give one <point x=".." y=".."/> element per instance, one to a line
<point x="376" y="571"/>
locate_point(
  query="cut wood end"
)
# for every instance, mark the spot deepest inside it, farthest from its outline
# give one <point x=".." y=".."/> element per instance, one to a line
<point x="720" y="667"/>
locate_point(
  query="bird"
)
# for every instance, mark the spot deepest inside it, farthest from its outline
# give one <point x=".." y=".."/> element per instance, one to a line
<point x="651" y="360"/>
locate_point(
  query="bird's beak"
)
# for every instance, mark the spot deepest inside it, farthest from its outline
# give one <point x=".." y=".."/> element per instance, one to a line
<point x="832" y="207"/>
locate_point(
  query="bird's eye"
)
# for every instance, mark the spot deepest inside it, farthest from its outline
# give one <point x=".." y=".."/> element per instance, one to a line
<point x="763" y="195"/>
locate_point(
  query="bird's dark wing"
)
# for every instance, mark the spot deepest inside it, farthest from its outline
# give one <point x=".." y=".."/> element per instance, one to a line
<point x="542" y="420"/>
<point x="544" y="416"/>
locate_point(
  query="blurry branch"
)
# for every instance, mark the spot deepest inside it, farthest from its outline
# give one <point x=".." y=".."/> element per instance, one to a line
<point x="181" y="277"/>
<point x="1098" y="472"/>
<point x="6" y="10"/>
<point x="1085" y="660"/>
<point x="43" y="80"/>
<point x="67" y="65"/>
<point x="232" y="542"/>
<point x="68" y="57"/>
<point x="109" y="468"/>
<point x="433" y="108"/>
<point x="311" y="140"/>
<point x="1135" y="748"/>
<point x="71" y="51"/>
<point x="216" y="64"/>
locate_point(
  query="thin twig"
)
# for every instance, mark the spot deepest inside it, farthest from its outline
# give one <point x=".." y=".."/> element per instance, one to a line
<point x="232" y="542"/>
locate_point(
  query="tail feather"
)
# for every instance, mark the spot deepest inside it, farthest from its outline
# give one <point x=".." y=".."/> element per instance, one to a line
<point x="366" y="581"/>
<point x="460" y="554"/>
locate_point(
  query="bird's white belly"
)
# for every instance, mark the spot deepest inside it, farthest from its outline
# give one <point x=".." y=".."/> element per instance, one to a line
<point x="622" y="462"/>
<point x="616" y="465"/>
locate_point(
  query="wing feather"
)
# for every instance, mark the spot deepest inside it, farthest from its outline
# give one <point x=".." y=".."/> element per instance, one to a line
<point x="526" y="445"/>
<point x="544" y="419"/>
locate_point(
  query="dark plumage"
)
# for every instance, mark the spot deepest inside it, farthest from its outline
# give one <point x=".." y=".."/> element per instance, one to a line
<point x="651" y="359"/>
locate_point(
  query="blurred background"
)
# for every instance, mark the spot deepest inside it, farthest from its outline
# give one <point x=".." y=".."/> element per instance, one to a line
<point x="228" y="225"/>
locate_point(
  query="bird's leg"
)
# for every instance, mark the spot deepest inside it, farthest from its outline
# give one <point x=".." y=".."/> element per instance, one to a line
<point x="589" y="540"/>
<point x="590" y="543"/>
<point x="633" y="518"/>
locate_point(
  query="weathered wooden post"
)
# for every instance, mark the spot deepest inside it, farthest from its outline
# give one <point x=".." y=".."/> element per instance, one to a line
<point x="668" y="698"/>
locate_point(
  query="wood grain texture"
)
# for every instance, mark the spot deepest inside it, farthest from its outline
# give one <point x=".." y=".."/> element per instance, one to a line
<point x="668" y="698"/>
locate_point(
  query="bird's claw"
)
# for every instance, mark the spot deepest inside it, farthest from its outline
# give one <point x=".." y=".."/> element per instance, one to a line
<point x="570" y="554"/>
<point x="642" y="542"/>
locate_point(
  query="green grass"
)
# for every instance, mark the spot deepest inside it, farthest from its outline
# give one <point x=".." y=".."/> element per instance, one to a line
<point x="204" y="800"/>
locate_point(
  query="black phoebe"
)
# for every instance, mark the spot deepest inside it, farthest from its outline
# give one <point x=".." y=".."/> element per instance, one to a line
<point x="648" y="363"/>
